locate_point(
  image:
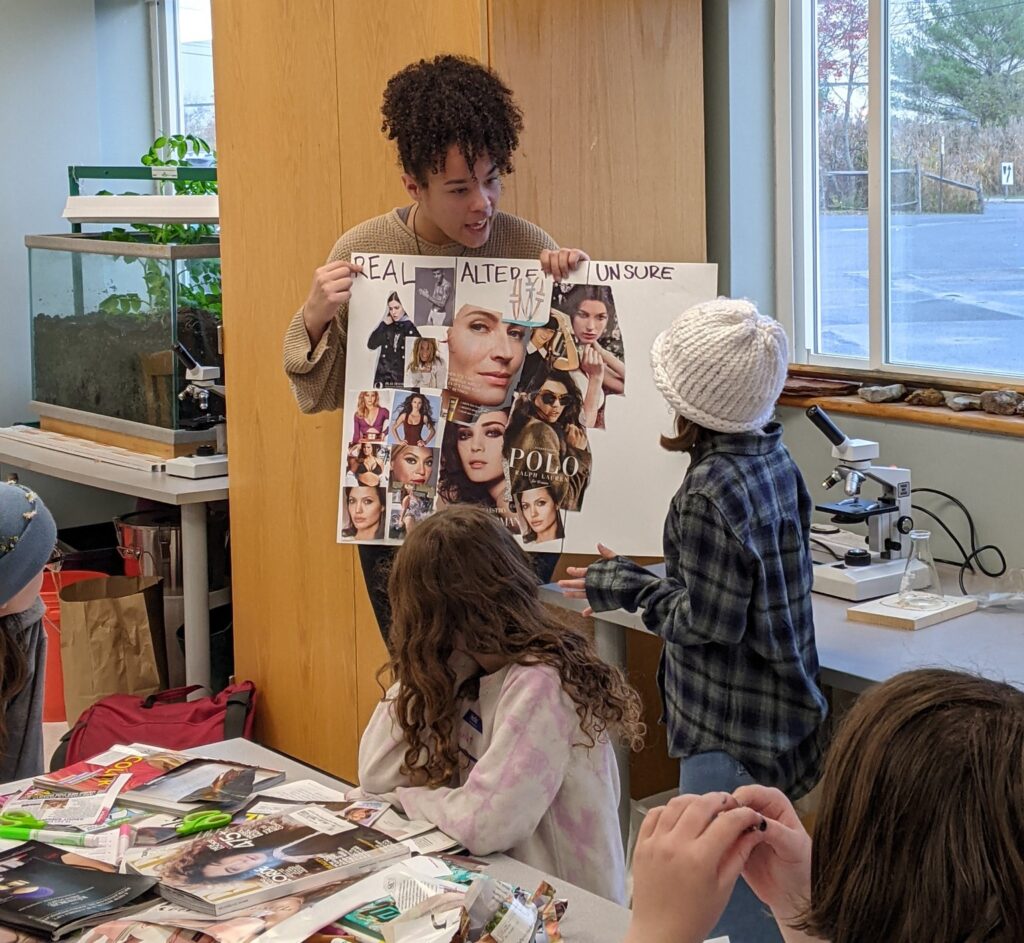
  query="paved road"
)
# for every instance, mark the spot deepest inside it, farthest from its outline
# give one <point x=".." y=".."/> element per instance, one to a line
<point x="957" y="288"/>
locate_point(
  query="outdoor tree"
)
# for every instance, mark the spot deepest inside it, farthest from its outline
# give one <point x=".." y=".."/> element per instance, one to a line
<point x="842" y="66"/>
<point x="960" y="60"/>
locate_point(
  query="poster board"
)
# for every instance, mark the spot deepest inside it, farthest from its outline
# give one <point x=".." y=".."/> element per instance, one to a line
<point x="483" y="381"/>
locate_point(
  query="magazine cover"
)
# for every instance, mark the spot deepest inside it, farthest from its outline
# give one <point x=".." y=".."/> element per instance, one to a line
<point x="223" y="871"/>
<point x="52" y="891"/>
<point x="66" y="809"/>
<point x="202" y="783"/>
<point x="513" y="394"/>
<point x="292" y="917"/>
<point x="141" y="763"/>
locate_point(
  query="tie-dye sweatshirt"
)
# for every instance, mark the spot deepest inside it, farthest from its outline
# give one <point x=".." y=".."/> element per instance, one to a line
<point x="530" y="787"/>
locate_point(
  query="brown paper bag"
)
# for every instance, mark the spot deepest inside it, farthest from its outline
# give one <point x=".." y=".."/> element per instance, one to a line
<point x="111" y="639"/>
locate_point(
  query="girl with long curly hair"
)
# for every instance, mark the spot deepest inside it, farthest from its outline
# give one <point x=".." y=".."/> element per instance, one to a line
<point x="499" y="727"/>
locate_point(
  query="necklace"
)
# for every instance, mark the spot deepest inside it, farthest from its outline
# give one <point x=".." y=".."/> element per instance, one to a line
<point x="412" y="223"/>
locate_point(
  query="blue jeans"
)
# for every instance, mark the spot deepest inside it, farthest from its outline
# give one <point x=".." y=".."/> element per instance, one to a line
<point x="746" y="919"/>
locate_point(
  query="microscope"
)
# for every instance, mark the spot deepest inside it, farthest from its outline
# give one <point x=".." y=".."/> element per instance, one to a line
<point x="877" y="570"/>
<point x="208" y="461"/>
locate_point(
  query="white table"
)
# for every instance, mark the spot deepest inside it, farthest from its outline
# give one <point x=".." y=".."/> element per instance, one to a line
<point x="192" y="496"/>
<point x="588" y="919"/>
<point x="852" y="655"/>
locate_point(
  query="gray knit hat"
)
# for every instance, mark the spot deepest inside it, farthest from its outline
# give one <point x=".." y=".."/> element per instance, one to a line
<point x="27" y="538"/>
<point x="722" y="365"/>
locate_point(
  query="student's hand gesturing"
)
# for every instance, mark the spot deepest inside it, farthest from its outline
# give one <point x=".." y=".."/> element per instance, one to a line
<point x="779" y="871"/>
<point x="560" y="263"/>
<point x="576" y="588"/>
<point x="332" y="287"/>
<point x="688" y="856"/>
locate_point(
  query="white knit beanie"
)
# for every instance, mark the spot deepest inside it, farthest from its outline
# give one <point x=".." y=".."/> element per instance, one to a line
<point x="722" y="365"/>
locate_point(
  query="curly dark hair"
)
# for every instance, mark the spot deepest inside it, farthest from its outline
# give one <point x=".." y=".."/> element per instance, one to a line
<point x="492" y="607"/>
<point x="435" y="103"/>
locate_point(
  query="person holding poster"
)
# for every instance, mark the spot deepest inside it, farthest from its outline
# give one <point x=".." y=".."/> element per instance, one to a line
<point x="739" y="671"/>
<point x="456" y="127"/>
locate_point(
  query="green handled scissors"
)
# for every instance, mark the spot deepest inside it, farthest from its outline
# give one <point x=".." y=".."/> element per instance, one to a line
<point x="202" y="822"/>
<point x="18" y="819"/>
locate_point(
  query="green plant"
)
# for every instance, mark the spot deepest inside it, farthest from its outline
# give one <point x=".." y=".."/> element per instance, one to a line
<point x="199" y="284"/>
<point x="175" y="151"/>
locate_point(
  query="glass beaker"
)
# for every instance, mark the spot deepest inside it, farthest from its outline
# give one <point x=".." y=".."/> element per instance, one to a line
<point x="920" y="587"/>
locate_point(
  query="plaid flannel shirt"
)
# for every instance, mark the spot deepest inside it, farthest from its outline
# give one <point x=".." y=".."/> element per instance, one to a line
<point x="739" y="671"/>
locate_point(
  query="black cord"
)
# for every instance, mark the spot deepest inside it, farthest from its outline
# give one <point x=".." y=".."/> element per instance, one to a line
<point x="825" y="546"/>
<point x="959" y="546"/>
<point x="969" y="559"/>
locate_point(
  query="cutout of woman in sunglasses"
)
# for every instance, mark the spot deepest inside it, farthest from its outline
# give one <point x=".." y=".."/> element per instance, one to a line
<point x="546" y="440"/>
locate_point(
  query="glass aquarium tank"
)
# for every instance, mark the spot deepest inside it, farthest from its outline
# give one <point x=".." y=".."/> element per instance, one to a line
<point x="106" y="314"/>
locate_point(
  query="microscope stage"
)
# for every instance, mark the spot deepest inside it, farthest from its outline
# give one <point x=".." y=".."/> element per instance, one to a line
<point x="857" y="583"/>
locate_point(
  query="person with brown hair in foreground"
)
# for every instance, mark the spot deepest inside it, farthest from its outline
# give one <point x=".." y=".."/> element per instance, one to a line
<point x="918" y="835"/>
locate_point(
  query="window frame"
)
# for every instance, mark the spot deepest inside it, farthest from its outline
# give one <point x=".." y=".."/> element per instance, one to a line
<point x="798" y="296"/>
<point x="163" y="46"/>
<point x="165" y="55"/>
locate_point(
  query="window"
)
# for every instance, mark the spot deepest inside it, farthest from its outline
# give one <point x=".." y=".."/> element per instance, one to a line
<point x="183" y="69"/>
<point x="905" y="139"/>
<point x="195" y="69"/>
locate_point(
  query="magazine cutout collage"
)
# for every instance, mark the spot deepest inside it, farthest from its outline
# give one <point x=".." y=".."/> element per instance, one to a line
<point x="483" y="381"/>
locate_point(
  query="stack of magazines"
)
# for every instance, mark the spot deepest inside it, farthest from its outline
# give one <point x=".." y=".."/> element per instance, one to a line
<point x="126" y="849"/>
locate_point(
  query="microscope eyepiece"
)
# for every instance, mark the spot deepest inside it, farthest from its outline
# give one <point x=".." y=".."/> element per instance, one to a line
<point x="826" y="426"/>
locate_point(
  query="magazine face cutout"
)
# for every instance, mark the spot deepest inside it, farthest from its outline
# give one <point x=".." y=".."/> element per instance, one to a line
<point x="524" y="379"/>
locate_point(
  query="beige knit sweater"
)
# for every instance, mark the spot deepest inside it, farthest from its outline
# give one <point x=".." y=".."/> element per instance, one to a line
<point x="318" y="375"/>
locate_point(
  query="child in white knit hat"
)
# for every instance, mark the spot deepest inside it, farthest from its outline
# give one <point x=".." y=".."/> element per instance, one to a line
<point x="27" y="539"/>
<point x="739" y="672"/>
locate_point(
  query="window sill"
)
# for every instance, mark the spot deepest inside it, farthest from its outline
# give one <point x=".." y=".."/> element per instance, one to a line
<point x="908" y="378"/>
<point x="969" y="420"/>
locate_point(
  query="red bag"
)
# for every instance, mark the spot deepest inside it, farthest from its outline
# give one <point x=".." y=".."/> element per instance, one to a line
<point x="166" y="719"/>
